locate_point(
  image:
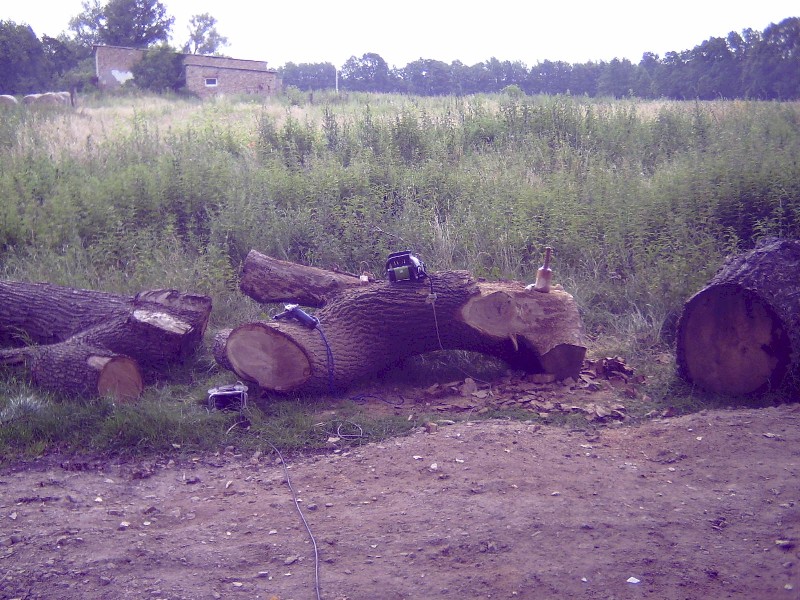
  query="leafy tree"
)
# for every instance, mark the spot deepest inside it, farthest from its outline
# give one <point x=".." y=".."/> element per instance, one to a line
<point x="648" y="68"/>
<point x="716" y="72"/>
<point x="309" y="76"/>
<point x="465" y="79"/>
<point x="671" y="79"/>
<point x="135" y="23"/>
<point x="772" y="66"/>
<point x="368" y="73"/>
<point x="428" y="77"/>
<point x="549" y="77"/>
<point x="498" y="75"/>
<point x="203" y="36"/>
<point x="87" y="25"/>
<point x="583" y="79"/>
<point x="741" y="44"/>
<point x="160" y="70"/>
<point x="24" y="67"/>
<point x="617" y="79"/>
<point x="81" y="76"/>
<point x="71" y="65"/>
<point x="61" y="53"/>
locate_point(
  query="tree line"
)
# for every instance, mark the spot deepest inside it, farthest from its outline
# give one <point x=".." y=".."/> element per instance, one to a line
<point x="31" y="64"/>
<point x="751" y="64"/>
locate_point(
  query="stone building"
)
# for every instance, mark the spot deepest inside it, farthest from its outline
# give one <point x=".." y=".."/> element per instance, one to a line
<point x="213" y="75"/>
<point x="113" y="65"/>
<point x="206" y="76"/>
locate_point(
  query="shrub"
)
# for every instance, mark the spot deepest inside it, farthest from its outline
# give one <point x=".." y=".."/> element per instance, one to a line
<point x="160" y="70"/>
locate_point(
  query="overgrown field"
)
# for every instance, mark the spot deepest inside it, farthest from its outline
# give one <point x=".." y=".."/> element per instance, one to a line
<point x="640" y="200"/>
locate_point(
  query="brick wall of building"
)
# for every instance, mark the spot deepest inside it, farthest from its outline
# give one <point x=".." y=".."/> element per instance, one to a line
<point x="206" y="81"/>
<point x="113" y="65"/>
<point x="206" y="76"/>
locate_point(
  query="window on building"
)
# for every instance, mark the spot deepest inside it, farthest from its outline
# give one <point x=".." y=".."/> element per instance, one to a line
<point x="211" y="82"/>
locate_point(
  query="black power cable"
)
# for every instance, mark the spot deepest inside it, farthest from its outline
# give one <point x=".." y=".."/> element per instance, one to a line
<point x="295" y="312"/>
<point x="302" y="518"/>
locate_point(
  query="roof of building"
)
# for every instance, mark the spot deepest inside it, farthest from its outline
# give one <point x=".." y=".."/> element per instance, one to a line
<point x="202" y="60"/>
<point x="223" y="62"/>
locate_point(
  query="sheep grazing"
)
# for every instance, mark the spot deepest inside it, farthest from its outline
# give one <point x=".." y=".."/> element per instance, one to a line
<point x="6" y="100"/>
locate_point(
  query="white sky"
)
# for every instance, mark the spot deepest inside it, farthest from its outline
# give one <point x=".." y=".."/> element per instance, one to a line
<point x="574" y="31"/>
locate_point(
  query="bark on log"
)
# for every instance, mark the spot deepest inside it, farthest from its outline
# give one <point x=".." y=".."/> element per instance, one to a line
<point x="45" y="313"/>
<point x="371" y="326"/>
<point x="78" y="369"/>
<point x="104" y="338"/>
<point x="267" y="279"/>
<point x="741" y="333"/>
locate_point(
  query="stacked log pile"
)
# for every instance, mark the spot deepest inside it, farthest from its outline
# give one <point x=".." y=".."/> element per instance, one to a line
<point x="87" y="342"/>
<point x="366" y="326"/>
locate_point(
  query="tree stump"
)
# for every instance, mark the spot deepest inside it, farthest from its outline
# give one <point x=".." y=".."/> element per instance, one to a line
<point x="741" y="333"/>
<point x="366" y="326"/>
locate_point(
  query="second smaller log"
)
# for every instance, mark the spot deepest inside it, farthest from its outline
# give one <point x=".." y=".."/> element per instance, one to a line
<point x="78" y="369"/>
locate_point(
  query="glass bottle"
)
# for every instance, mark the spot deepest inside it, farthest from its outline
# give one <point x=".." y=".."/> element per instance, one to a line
<point x="544" y="275"/>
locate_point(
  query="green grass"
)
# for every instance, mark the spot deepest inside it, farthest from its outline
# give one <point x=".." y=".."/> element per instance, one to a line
<point x="175" y="420"/>
<point x="641" y="201"/>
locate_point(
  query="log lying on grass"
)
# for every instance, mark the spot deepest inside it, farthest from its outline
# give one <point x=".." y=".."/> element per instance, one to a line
<point x="78" y="370"/>
<point x="365" y="327"/>
<point x="741" y="333"/>
<point x="86" y="341"/>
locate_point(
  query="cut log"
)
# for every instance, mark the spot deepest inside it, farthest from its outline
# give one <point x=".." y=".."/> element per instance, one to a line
<point x="66" y="327"/>
<point x="45" y="313"/>
<point x="267" y="279"/>
<point x="363" y="328"/>
<point x="741" y="333"/>
<point x="157" y="339"/>
<point x="79" y="370"/>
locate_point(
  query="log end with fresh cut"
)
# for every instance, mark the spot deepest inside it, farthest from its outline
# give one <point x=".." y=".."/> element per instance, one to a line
<point x="119" y="378"/>
<point x="739" y="335"/>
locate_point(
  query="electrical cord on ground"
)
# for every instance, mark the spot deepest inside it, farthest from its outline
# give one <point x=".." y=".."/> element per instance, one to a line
<point x="339" y="433"/>
<point x="302" y="518"/>
<point x="364" y="398"/>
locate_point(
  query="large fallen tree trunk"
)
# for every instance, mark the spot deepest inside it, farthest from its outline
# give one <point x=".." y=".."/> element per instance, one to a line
<point x="84" y="341"/>
<point x="367" y="326"/>
<point x="741" y="333"/>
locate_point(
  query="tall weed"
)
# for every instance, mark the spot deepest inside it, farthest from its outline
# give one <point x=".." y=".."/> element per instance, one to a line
<point x="641" y="201"/>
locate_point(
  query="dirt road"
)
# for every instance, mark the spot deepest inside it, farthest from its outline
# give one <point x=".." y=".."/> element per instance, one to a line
<point x="702" y="506"/>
